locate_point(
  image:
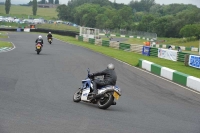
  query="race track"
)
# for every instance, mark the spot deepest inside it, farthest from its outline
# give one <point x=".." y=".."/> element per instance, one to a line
<point x="36" y="94"/>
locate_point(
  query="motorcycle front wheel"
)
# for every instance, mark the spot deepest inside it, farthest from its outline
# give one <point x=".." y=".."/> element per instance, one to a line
<point x="77" y="96"/>
<point x="106" y="101"/>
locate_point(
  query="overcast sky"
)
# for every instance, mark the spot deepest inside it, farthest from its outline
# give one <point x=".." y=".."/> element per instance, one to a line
<point x="194" y="2"/>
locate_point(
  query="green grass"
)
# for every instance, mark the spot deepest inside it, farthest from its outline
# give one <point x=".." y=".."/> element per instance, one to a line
<point x="5" y="44"/>
<point x="25" y="11"/>
<point x="58" y="27"/>
<point x="132" y="58"/>
<point x="3" y="35"/>
<point x="135" y="41"/>
<point x="179" y="42"/>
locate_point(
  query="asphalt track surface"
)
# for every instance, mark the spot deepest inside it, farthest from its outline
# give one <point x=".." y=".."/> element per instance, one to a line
<point x="36" y="94"/>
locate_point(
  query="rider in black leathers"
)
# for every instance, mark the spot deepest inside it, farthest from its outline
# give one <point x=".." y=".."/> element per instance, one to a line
<point x="39" y="40"/>
<point x="49" y="36"/>
<point x="110" y="78"/>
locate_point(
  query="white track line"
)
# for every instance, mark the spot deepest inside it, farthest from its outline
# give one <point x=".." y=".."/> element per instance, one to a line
<point x="9" y="49"/>
<point x="146" y="72"/>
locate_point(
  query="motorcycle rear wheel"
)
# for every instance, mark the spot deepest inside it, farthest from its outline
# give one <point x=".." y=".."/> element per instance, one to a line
<point x="77" y="96"/>
<point x="106" y="101"/>
<point x="38" y="51"/>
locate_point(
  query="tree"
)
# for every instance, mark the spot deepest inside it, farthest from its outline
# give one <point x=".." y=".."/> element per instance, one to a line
<point x="63" y="12"/>
<point x="43" y="1"/>
<point x="51" y="1"/>
<point x="142" y="5"/>
<point x="85" y="14"/>
<point x="30" y="3"/>
<point x="7" y="6"/>
<point x="126" y="17"/>
<point x="34" y="7"/>
<point x="190" y="31"/>
<point x="146" y="23"/>
<point x="56" y="1"/>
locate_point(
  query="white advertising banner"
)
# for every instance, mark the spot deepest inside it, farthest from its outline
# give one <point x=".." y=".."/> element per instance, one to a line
<point x="27" y="30"/>
<point x="167" y="54"/>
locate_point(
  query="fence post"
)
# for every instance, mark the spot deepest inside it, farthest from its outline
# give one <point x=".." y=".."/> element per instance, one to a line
<point x="186" y="60"/>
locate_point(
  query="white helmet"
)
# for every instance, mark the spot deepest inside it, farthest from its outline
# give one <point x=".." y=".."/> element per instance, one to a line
<point x="40" y="37"/>
<point x="49" y="32"/>
<point x="111" y="66"/>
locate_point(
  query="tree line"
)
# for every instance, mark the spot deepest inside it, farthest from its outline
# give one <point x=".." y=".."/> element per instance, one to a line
<point x="144" y="15"/>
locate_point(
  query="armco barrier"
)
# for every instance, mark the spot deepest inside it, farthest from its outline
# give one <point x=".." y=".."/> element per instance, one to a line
<point x="124" y="46"/>
<point x="175" y="76"/>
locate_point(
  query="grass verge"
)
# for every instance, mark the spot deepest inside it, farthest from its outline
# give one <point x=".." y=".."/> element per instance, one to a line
<point x="5" y="44"/>
<point x="132" y="58"/>
<point x="3" y="35"/>
<point x="26" y="11"/>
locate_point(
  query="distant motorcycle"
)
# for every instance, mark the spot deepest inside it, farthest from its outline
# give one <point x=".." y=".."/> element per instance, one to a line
<point x="50" y="40"/>
<point x="105" y="97"/>
<point x="38" y="48"/>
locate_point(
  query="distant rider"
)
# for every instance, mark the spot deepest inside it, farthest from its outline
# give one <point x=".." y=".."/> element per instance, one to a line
<point x="110" y="78"/>
<point x="49" y="36"/>
<point x="39" y="40"/>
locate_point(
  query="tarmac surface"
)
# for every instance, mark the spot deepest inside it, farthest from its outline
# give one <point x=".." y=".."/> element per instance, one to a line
<point x="36" y="94"/>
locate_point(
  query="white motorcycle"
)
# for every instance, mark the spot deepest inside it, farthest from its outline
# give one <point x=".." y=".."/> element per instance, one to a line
<point x="105" y="97"/>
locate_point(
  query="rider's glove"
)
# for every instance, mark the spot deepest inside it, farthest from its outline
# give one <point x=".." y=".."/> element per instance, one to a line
<point x="91" y="75"/>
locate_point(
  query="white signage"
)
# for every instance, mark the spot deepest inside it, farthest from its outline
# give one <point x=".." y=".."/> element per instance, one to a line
<point x="194" y="61"/>
<point x="27" y="30"/>
<point x="167" y="54"/>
